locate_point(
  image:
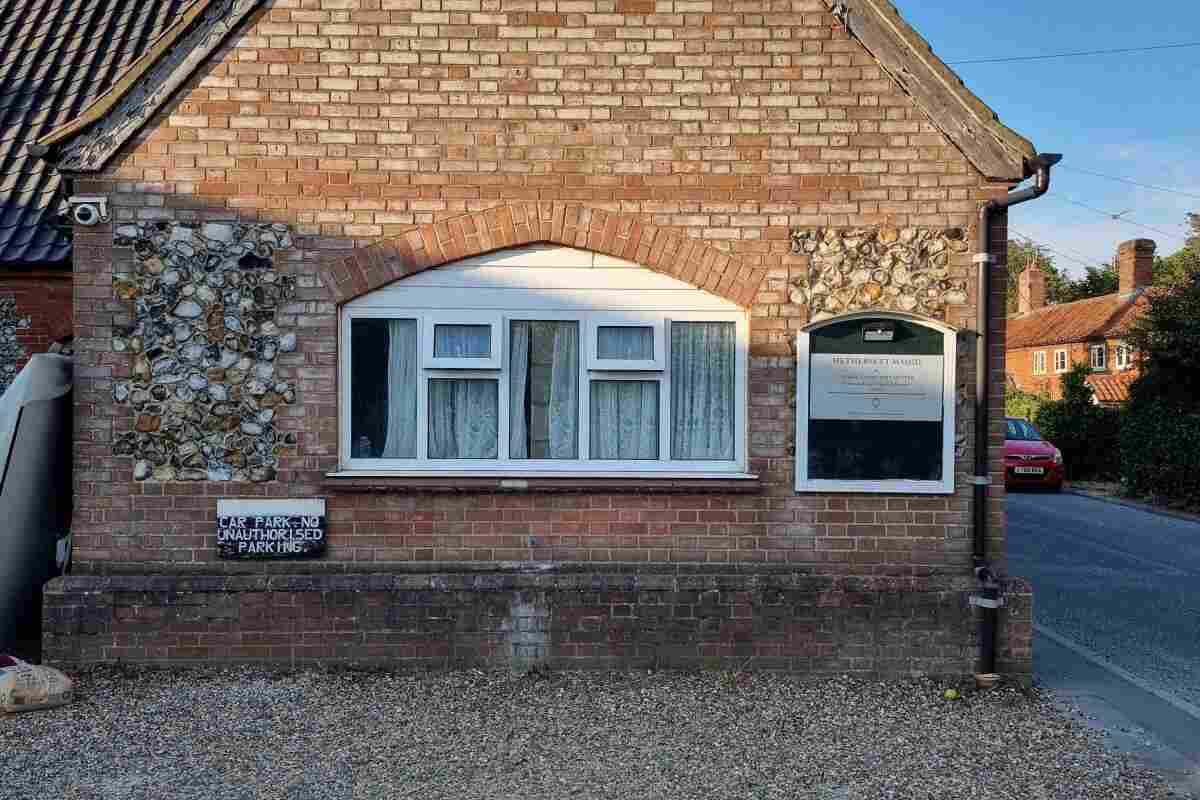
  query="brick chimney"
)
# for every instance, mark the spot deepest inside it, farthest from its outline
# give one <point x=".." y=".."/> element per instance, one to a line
<point x="1031" y="289"/>
<point x="1135" y="264"/>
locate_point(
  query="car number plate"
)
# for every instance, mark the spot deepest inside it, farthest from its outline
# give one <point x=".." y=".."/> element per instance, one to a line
<point x="1029" y="470"/>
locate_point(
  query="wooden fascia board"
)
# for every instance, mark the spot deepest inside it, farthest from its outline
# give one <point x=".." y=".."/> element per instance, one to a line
<point x="86" y="143"/>
<point x="998" y="152"/>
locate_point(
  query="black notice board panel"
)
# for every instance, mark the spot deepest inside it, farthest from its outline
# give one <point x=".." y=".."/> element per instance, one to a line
<point x="850" y="450"/>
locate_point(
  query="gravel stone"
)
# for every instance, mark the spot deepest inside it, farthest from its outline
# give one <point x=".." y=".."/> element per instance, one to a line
<point x="334" y="733"/>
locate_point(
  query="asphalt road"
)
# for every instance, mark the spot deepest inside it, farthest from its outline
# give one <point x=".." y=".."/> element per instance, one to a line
<point x="1117" y="605"/>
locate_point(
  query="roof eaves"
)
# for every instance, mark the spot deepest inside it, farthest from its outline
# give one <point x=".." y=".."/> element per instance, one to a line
<point x="997" y="151"/>
<point x="86" y="143"/>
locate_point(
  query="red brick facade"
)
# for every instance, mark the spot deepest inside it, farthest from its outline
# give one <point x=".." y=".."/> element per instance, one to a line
<point x="394" y="137"/>
<point x="1020" y="366"/>
<point x="46" y="300"/>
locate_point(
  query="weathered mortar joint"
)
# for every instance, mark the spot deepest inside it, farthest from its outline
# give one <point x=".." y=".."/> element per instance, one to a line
<point x="906" y="269"/>
<point x="12" y="352"/>
<point x="204" y="341"/>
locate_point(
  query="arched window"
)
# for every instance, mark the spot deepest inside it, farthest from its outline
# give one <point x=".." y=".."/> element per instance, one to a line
<point x="875" y="405"/>
<point x="543" y="360"/>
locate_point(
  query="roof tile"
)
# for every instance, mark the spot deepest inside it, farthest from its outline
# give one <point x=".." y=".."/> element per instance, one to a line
<point x="56" y="57"/>
<point x="1111" y="388"/>
<point x="1103" y="317"/>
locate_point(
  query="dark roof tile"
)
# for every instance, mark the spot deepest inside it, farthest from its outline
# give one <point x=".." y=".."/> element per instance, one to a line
<point x="56" y="57"/>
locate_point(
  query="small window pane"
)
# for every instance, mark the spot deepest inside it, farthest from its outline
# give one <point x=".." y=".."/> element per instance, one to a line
<point x="383" y="388"/>
<point x="462" y="341"/>
<point x="625" y="342"/>
<point x="624" y="418"/>
<point x="543" y="389"/>
<point x="463" y="418"/>
<point x="702" y="390"/>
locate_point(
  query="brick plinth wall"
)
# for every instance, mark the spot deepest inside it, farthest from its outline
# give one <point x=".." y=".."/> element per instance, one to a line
<point x="604" y="616"/>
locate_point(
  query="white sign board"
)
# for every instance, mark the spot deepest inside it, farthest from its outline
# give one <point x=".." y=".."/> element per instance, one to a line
<point x="876" y="387"/>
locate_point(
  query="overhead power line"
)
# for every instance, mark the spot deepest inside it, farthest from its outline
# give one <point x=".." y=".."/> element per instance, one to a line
<point x="1131" y="183"/>
<point x="1055" y="250"/>
<point x="1120" y="217"/>
<point x="1010" y="59"/>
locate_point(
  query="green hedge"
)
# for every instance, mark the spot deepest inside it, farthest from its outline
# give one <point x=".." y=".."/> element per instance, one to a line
<point x="1160" y="452"/>
<point x="1087" y="434"/>
<point x="1023" y="404"/>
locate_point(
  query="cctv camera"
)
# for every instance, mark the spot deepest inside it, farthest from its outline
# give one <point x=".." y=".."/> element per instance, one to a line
<point x="88" y="211"/>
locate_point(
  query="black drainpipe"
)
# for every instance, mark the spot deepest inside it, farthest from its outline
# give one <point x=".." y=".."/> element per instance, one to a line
<point x="989" y="597"/>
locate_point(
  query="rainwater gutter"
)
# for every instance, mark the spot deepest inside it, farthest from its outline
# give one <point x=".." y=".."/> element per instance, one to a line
<point x="988" y="598"/>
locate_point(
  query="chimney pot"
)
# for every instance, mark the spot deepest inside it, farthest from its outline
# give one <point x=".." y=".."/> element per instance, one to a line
<point x="1135" y="264"/>
<point x="1031" y="289"/>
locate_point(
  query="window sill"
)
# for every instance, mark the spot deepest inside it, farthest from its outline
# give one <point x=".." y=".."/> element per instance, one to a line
<point x="619" y="483"/>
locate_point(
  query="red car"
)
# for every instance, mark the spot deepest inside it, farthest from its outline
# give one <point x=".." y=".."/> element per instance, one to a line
<point x="1030" y="462"/>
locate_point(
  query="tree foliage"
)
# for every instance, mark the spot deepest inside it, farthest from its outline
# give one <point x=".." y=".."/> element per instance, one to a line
<point x="1096" y="281"/>
<point x="1160" y="441"/>
<point x="1180" y="266"/>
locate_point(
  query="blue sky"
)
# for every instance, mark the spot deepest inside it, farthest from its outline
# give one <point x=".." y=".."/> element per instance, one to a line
<point x="1135" y="116"/>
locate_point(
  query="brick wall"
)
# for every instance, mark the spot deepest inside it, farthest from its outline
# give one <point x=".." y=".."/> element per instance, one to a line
<point x="358" y="121"/>
<point x="45" y="299"/>
<point x="604" y="616"/>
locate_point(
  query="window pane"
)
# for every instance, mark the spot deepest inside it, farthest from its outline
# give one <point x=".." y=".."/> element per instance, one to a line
<point x="702" y="390"/>
<point x="383" y="388"/>
<point x="543" y="390"/>
<point x="462" y="341"/>
<point x="625" y="342"/>
<point x="624" y="420"/>
<point x="463" y="418"/>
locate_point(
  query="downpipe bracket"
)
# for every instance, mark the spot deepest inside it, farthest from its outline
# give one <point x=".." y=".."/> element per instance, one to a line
<point x="986" y="602"/>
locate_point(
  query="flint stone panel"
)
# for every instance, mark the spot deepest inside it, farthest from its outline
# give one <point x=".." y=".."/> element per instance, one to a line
<point x="204" y="340"/>
<point x="864" y="269"/>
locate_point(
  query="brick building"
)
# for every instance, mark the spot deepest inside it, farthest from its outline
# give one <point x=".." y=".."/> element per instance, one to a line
<point x="516" y="292"/>
<point x="1045" y="341"/>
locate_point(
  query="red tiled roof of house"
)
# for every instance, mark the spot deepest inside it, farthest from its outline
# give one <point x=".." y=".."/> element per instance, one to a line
<point x="1103" y="317"/>
<point x="1111" y="388"/>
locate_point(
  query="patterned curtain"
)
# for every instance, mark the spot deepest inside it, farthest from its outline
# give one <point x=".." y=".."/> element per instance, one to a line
<point x="702" y="390"/>
<point x="401" y="441"/>
<point x="624" y="419"/>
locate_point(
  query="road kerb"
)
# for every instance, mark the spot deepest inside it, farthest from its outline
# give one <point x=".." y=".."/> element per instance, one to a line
<point x="1134" y="504"/>
<point x="1100" y="661"/>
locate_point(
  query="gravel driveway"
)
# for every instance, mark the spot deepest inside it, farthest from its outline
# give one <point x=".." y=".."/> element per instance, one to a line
<point x="250" y="733"/>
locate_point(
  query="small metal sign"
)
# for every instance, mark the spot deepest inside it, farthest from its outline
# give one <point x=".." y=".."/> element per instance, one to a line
<point x="879" y="331"/>
<point x="266" y="529"/>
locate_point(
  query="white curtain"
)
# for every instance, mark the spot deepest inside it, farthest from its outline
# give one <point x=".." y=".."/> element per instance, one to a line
<point x="544" y="390"/>
<point x="462" y="341"/>
<point x="463" y="418"/>
<point x="702" y="390"/>
<point x="401" y="439"/>
<point x="625" y="342"/>
<point x="624" y="420"/>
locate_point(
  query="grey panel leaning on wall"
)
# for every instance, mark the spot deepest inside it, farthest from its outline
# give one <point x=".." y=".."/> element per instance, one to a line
<point x="12" y="352"/>
<point x="204" y="341"/>
<point x="905" y="269"/>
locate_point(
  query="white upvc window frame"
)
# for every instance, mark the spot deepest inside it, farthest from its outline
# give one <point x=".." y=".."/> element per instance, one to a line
<point x="429" y="360"/>
<point x="945" y="485"/>
<point x="656" y="323"/>
<point x="1102" y="349"/>
<point x="503" y="465"/>
<point x="1039" y="362"/>
<point x="1066" y="362"/>
<point x="1123" y="357"/>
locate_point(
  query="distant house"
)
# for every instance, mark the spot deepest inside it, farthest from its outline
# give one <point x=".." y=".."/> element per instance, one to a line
<point x="1045" y="341"/>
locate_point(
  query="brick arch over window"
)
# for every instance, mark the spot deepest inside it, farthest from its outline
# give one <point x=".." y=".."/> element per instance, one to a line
<point x="621" y="235"/>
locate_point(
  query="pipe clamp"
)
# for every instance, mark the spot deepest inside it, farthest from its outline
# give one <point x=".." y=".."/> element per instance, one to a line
<point x="980" y="480"/>
<point x="987" y="602"/>
<point x="984" y="258"/>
